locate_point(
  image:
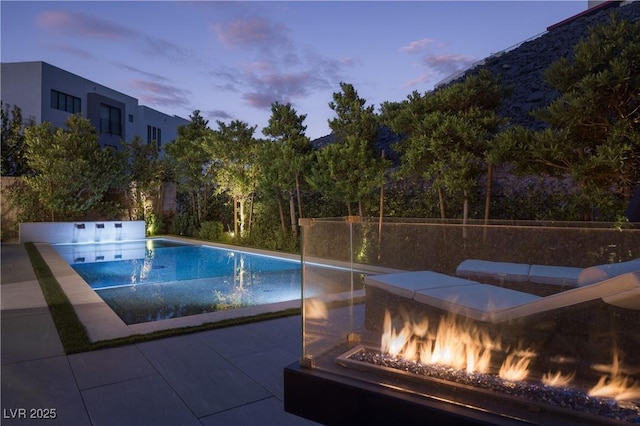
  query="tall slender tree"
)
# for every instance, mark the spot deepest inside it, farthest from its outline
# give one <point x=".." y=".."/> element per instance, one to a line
<point x="189" y="161"/>
<point x="350" y="168"/>
<point x="289" y="157"/>
<point x="233" y="165"/>
<point x="147" y="174"/>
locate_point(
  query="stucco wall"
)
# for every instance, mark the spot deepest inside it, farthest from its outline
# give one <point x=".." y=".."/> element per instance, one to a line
<point x="82" y="232"/>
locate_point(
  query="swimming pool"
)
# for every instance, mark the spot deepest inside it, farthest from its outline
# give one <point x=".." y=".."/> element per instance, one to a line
<point x="155" y="279"/>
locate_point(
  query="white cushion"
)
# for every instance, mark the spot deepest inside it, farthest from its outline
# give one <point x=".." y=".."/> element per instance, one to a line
<point x="557" y="275"/>
<point x="476" y="301"/>
<point x="477" y="269"/>
<point x="598" y="273"/>
<point x="405" y="284"/>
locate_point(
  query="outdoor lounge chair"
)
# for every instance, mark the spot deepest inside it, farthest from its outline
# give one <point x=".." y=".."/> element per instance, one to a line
<point x="495" y="304"/>
<point x="542" y="274"/>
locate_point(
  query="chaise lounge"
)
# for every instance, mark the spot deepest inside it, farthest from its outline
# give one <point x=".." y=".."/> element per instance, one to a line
<point x="616" y="284"/>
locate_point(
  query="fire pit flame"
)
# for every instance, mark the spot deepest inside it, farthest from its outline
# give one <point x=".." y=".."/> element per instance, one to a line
<point x="516" y="365"/>
<point x="620" y="388"/>
<point x="467" y="347"/>
<point x="558" y="379"/>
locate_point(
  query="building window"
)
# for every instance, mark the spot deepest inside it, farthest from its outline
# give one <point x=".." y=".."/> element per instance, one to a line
<point x="130" y="118"/>
<point x="110" y="120"/>
<point x="154" y="135"/>
<point x="65" y="102"/>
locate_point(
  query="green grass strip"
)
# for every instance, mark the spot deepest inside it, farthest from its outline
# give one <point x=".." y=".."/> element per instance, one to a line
<point x="73" y="333"/>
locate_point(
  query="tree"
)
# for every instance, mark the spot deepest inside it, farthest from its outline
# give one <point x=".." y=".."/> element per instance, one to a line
<point x="593" y="132"/>
<point x="72" y="175"/>
<point x="146" y="172"/>
<point x="287" y="157"/>
<point x="232" y="151"/>
<point x="350" y="169"/>
<point x="13" y="147"/>
<point x="189" y="164"/>
<point x="449" y="135"/>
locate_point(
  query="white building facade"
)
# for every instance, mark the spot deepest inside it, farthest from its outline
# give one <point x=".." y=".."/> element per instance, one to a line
<point x="47" y="93"/>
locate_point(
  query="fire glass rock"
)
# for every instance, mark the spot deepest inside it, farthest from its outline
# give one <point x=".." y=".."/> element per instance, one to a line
<point x="556" y="396"/>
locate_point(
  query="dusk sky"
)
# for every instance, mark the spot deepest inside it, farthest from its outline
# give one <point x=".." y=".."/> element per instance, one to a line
<point x="231" y="60"/>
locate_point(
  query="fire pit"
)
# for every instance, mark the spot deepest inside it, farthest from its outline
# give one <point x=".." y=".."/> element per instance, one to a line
<point x="420" y="332"/>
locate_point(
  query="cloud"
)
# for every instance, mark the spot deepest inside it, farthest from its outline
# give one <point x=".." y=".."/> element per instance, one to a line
<point x="75" y="51"/>
<point x="218" y="114"/>
<point x="281" y="87"/>
<point x="417" y="45"/>
<point x="154" y="76"/>
<point x="447" y="63"/>
<point x="82" y="25"/>
<point x="158" y="94"/>
<point x="161" y="47"/>
<point x="251" y="33"/>
<point x="422" y="79"/>
<point x="278" y="70"/>
<point x="434" y="65"/>
<point x="259" y="100"/>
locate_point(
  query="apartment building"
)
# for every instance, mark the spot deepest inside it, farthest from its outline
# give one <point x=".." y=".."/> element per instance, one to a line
<point x="48" y="93"/>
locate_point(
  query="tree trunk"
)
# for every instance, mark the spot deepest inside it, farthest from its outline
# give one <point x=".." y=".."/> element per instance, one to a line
<point x="465" y="207"/>
<point x="250" y="221"/>
<point x="283" y="226"/>
<point x="235" y="216"/>
<point x="292" y="213"/>
<point x="241" y="215"/>
<point x="441" y="200"/>
<point x="465" y="213"/>
<point x="487" y="197"/>
<point x="299" y="195"/>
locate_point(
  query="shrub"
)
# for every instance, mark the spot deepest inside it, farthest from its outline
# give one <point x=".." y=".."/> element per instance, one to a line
<point x="211" y="231"/>
<point x="184" y="225"/>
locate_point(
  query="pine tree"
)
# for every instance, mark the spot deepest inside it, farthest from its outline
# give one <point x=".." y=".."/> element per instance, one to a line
<point x="284" y="163"/>
<point x="350" y="169"/>
<point x="593" y="133"/>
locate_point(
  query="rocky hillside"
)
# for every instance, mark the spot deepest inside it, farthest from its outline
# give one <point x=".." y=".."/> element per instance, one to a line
<point x="522" y="68"/>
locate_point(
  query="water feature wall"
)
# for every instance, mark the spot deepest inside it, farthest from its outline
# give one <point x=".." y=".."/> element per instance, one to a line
<point x="82" y="232"/>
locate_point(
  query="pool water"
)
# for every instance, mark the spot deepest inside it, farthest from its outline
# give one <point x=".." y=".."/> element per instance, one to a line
<point x="156" y="279"/>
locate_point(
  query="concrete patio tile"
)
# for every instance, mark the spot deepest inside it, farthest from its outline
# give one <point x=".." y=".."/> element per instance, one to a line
<point x="207" y="382"/>
<point x="139" y="402"/>
<point x="42" y="384"/>
<point x="285" y="332"/>
<point x="267" y="368"/>
<point x="28" y="334"/>
<point x="267" y="411"/>
<point x="235" y="341"/>
<point x="108" y="366"/>
<point x="22" y="295"/>
<point x="16" y="266"/>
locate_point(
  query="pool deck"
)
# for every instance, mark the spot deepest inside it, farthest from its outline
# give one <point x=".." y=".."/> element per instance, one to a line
<point x="227" y="376"/>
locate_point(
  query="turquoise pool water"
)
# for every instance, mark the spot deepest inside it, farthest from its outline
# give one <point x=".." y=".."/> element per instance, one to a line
<point x="150" y="280"/>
